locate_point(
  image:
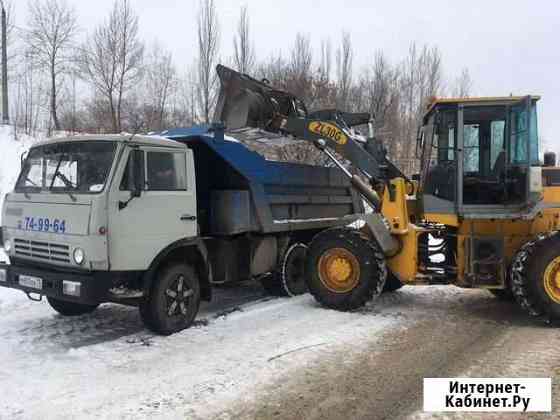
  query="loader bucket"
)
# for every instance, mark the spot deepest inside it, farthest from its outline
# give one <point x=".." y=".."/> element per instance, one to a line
<point x="247" y="102"/>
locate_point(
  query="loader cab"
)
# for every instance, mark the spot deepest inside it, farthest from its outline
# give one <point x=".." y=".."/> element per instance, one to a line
<point x="480" y="156"/>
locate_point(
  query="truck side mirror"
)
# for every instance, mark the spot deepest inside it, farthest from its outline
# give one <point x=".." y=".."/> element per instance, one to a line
<point x="137" y="168"/>
<point x="134" y="176"/>
<point x="22" y="159"/>
<point x="549" y="159"/>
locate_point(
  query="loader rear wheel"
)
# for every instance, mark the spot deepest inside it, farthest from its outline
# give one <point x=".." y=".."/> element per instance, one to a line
<point x="70" y="308"/>
<point x="173" y="301"/>
<point x="536" y="277"/>
<point x="345" y="268"/>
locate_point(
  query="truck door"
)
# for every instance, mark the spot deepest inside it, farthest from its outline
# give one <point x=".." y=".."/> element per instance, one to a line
<point x="164" y="212"/>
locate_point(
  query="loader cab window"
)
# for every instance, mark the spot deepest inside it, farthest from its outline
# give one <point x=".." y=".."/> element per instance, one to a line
<point x="488" y="177"/>
<point x="524" y="135"/>
<point x="441" y="174"/>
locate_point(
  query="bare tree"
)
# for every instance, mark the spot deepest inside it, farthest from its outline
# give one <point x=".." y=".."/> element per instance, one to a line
<point x="344" y="60"/>
<point x="421" y="79"/>
<point x="208" y="44"/>
<point x="244" y="51"/>
<point x="159" y="82"/>
<point x="29" y="97"/>
<point x="52" y="27"/>
<point x="463" y="84"/>
<point x="378" y="88"/>
<point x="326" y="60"/>
<point x="111" y="60"/>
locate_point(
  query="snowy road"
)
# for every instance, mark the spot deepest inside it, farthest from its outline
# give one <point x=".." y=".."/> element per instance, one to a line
<point x="250" y="356"/>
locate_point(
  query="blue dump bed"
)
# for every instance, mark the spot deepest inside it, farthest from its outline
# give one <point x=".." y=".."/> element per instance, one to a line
<point x="239" y="191"/>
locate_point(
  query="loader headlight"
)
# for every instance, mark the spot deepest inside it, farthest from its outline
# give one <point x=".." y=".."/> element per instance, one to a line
<point x="7" y="245"/>
<point x="79" y="255"/>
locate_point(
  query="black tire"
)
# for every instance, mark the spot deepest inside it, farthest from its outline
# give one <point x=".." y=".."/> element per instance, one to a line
<point x="292" y="270"/>
<point x="362" y="282"/>
<point x="528" y="276"/>
<point x="173" y="301"/>
<point x="289" y="279"/>
<point x="271" y="284"/>
<point x="70" y="308"/>
<point x="505" y="295"/>
<point x="392" y="283"/>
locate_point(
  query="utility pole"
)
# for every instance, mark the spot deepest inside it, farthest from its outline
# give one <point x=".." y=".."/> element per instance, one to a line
<point x="5" y="111"/>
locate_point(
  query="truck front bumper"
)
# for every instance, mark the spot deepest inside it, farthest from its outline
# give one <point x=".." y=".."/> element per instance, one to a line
<point x="88" y="288"/>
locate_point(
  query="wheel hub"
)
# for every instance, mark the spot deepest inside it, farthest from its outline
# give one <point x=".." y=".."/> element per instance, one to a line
<point x="551" y="280"/>
<point x="339" y="270"/>
<point x="177" y="297"/>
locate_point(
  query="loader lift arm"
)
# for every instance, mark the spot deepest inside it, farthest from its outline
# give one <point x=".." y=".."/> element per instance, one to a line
<point x="247" y="102"/>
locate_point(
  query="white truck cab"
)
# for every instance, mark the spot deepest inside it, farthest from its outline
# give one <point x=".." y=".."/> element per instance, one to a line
<point x="88" y="214"/>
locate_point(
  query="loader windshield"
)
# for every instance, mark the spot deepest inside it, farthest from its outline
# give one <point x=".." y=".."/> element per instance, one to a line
<point x="73" y="167"/>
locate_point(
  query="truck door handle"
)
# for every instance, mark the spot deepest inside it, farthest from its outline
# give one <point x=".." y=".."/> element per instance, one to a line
<point x="188" y="217"/>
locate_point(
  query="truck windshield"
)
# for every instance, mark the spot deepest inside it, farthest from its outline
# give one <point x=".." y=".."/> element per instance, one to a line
<point x="73" y="167"/>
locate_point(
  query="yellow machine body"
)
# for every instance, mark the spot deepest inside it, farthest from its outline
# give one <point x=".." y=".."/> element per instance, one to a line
<point x="413" y="225"/>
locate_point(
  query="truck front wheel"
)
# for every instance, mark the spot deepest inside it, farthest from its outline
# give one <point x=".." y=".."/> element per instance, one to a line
<point x="70" y="308"/>
<point x="173" y="301"/>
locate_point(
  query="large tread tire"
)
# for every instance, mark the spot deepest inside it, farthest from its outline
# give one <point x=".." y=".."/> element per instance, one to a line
<point x="70" y="308"/>
<point x="392" y="283"/>
<point x="372" y="268"/>
<point x="174" y="299"/>
<point x="527" y="276"/>
<point x="289" y="279"/>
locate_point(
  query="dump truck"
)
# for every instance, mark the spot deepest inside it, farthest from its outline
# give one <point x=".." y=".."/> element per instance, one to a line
<point x="157" y="221"/>
<point x="483" y="211"/>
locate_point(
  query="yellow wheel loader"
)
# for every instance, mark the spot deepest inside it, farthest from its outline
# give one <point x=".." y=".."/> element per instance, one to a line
<point x="483" y="212"/>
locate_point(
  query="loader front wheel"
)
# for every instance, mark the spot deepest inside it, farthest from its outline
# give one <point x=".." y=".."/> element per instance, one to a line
<point x="536" y="277"/>
<point x="345" y="268"/>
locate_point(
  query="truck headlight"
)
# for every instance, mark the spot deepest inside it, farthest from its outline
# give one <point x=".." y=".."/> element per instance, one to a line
<point x="79" y="255"/>
<point x="3" y="275"/>
<point x="7" y="245"/>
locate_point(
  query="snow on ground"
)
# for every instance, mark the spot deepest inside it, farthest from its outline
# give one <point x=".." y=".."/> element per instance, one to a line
<point x="106" y="365"/>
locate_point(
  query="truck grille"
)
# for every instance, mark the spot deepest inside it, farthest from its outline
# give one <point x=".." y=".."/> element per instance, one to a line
<point x="47" y="251"/>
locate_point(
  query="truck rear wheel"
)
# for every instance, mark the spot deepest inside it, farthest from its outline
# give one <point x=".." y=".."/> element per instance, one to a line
<point x="289" y="279"/>
<point x="173" y="301"/>
<point x="345" y="268"/>
<point x="535" y="277"/>
<point x="70" y="308"/>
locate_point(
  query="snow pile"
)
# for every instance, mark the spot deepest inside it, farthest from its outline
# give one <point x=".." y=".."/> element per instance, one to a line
<point x="10" y="158"/>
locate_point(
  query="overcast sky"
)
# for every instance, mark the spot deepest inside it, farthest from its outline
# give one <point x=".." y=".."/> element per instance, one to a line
<point x="508" y="46"/>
